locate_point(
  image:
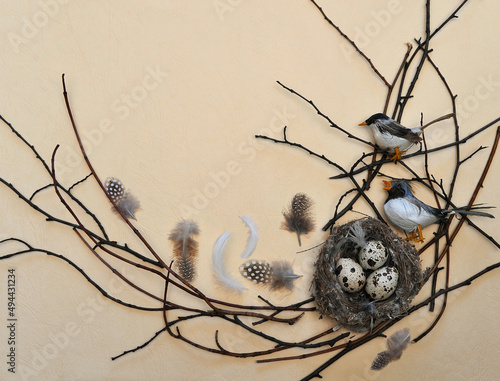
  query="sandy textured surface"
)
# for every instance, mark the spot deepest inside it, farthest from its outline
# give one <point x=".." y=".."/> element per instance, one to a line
<point x="168" y="96"/>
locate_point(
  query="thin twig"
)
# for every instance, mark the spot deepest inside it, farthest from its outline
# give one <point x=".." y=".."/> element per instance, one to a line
<point x="319" y="112"/>
<point x="352" y="43"/>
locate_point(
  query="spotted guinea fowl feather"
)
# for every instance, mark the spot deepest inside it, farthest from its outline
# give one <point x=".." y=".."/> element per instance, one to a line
<point x="125" y="202"/>
<point x="277" y="274"/>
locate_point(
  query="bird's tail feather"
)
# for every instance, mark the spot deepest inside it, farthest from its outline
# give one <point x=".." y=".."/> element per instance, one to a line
<point x="472" y="210"/>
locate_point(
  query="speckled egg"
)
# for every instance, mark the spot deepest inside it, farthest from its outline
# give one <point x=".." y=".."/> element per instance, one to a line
<point x="350" y="275"/>
<point x="382" y="283"/>
<point x="373" y="255"/>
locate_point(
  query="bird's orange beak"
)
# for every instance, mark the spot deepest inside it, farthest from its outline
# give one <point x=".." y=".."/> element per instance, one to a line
<point x="362" y="124"/>
<point x="387" y="185"/>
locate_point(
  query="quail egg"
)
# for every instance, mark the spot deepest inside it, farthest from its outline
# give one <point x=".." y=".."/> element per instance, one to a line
<point x="373" y="255"/>
<point x="350" y="275"/>
<point x="382" y="283"/>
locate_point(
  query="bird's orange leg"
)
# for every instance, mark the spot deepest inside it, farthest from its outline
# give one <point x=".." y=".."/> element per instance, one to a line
<point x="411" y="237"/>
<point x="397" y="155"/>
<point x="420" y="237"/>
<point x="416" y="236"/>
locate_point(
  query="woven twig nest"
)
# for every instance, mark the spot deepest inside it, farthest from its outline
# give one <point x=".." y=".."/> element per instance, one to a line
<point x="357" y="311"/>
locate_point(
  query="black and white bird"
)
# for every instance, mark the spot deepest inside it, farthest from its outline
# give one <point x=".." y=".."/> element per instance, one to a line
<point x="411" y="215"/>
<point x="391" y="136"/>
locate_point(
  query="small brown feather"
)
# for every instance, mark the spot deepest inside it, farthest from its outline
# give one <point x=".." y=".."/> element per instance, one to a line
<point x="185" y="248"/>
<point x="298" y="216"/>
<point x="396" y="344"/>
<point x="283" y="275"/>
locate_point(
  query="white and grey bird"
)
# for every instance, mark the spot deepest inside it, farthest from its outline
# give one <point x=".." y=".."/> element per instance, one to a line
<point x="411" y="215"/>
<point x="391" y="136"/>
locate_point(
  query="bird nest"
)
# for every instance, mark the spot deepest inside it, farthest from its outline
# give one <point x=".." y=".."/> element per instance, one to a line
<point x="357" y="311"/>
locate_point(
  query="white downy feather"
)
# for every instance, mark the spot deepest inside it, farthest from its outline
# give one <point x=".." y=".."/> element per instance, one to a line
<point x="224" y="278"/>
<point x="253" y="236"/>
<point x="357" y="234"/>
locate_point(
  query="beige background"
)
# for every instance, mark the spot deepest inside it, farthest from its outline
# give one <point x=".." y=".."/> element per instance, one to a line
<point x="216" y="65"/>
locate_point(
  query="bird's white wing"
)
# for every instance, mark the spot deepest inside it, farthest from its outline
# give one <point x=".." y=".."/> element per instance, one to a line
<point x="407" y="215"/>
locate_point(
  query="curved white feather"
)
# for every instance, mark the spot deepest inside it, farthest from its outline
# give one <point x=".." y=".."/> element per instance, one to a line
<point x="222" y="276"/>
<point x="253" y="236"/>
